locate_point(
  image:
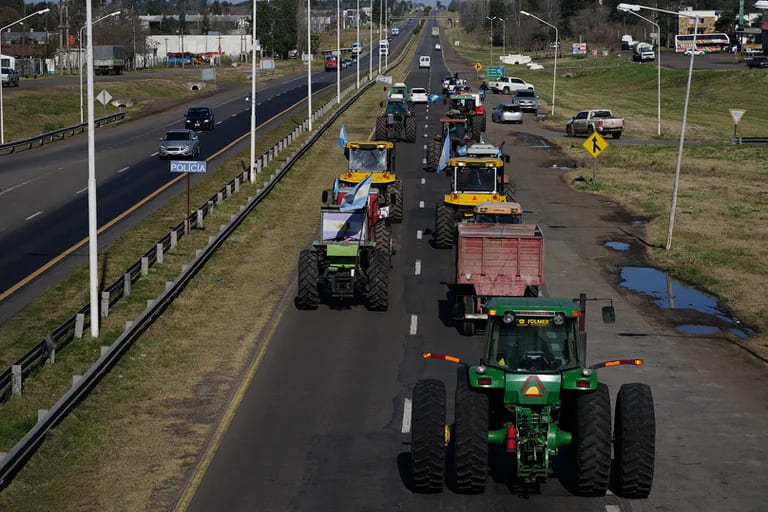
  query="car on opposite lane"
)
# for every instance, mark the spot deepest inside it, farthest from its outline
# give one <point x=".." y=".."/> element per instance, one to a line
<point x="507" y="113"/>
<point x="10" y="77"/>
<point x="695" y="52"/>
<point x="438" y="47"/>
<point x="179" y="143"/>
<point x="527" y="100"/>
<point x="419" y="95"/>
<point x="200" y="118"/>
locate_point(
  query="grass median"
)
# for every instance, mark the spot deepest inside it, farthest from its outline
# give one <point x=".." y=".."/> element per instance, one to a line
<point x="145" y="424"/>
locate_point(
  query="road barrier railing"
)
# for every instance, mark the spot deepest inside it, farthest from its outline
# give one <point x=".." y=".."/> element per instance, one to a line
<point x="45" y="138"/>
<point x="11" y="380"/>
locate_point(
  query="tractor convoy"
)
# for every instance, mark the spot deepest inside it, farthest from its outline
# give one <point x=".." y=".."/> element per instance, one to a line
<point x="533" y="398"/>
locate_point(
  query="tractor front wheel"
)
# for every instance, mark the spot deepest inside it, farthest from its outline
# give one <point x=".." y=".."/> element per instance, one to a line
<point x="396" y="201"/>
<point x="592" y="442"/>
<point x="308" y="296"/>
<point x="444" y="226"/>
<point x="380" y="133"/>
<point x="428" y="436"/>
<point x="377" y="294"/>
<point x="634" y="441"/>
<point x="470" y="437"/>
<point x="410" y="129"/>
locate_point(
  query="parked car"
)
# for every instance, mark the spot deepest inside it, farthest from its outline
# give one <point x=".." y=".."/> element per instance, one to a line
<point x="438" y="47"/>
<point x="200" y="118"/>
<point x="424" y="61"/>
<point x="695" y="51"/>
<point x="10" y="77"/>
<point x="179" y="143"/>
<point x="419" y="95"/>
<point x="600" y="120"/>
<point x="507" y="113"/>
<point x="527" y="100"/>
<point x="508" y="85"/>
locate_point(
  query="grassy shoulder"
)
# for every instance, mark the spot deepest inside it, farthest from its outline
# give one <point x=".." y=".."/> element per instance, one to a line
<point x="146" y="422"/>
<point x="630" y="91"/>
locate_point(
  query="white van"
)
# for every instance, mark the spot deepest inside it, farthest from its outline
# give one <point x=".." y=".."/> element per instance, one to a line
<point x="384" y="47"/>
<point x="424" y="61"/>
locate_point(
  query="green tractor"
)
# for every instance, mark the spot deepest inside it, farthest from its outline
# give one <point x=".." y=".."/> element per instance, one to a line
<point x="397" y="122"/>
<point x="464" y="106"/>
<point x="531" y="395"/>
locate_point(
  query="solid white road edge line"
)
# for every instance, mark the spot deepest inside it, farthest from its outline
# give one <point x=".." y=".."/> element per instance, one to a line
<point x="82" y="190"/>
<point x="154" y="154"/>
<point x="123" y="170"/>
<point x="414" y="325"/>
<point x="34" y="215"/>
<point x="407" y="408"/>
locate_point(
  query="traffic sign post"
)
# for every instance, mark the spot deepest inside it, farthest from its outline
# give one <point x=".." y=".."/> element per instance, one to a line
<point x="477" y="67"/>
<point x="595" y="144"/>
<point x="495" y="72"/>
<point x="736" y="115"/>
<point x="188" y="167"/>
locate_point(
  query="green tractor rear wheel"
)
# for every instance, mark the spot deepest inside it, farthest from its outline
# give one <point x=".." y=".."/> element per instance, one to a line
<point x="592" y="442"/>
<point x="382" y="235"/>
<point x="380" y="133"/>
<point x="470" y="437"/>
<point x="308" y="295"/>
<point x="433" y="155"/>
<point x="634" y="441"/>
<point x="396" y="201"/>
<point x="428" y="436"/>
<point x="444" y="226"/>
<point x="410" y="129"/>
<point x="377" y="293"/>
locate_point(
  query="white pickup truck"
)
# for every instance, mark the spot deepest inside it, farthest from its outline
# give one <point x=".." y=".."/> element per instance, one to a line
<point x="508" y="85"/>
<point x="600" y="121"/>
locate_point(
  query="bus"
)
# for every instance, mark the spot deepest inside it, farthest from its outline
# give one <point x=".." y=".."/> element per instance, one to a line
<point x="707" y="42"/>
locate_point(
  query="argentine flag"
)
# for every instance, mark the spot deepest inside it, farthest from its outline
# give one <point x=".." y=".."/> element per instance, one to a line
<point x="445" y="155"/>
<point x="336" y="185"/>
<point x="358" y="198"/>
<point x="342" y="136"/>
<point x="434" y="97"/>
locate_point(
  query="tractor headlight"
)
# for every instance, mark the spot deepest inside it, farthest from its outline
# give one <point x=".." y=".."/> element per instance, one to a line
<point x="480" y="370"/>
<point x="559" y="319"/>
<point x="509" y="317"/>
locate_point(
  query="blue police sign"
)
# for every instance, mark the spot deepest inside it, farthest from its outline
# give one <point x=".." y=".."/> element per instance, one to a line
<point x="188" y="166"/>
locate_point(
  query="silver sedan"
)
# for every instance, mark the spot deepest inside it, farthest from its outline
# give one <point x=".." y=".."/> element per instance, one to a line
<point x="179" y="143"/>
<point x="507" y="113"/>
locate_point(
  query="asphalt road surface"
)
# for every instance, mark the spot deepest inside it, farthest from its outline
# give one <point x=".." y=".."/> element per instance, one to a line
<point x="320" y="426"/>
<point x="43" y="192"/>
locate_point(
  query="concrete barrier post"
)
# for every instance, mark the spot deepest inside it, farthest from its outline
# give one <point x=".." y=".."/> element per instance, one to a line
<point x="127" y="284"/>
<point x="174" y="239"/>
<point x="229" y="190"/>
<point x="144" y="266"/>
<point x="210" y="206"/>
<point x="237" y="184"/>
<point x="199" y="219"/>
<point x="16" y="379"/>
<point x="104" y="304"/>
<point x="50" y="347"/>
<point x="159" y="252"/>
<point x="79" y="325"/>
<point x="219" y="198"/>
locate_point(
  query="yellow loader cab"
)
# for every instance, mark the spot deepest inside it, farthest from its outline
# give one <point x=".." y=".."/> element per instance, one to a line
<point x="375" y="159"/>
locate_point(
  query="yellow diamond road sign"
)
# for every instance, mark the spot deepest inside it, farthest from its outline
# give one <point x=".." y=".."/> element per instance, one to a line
<point x="478" y="66"/>
<point x="595" y="144"/>
<point x="737" y="114"/>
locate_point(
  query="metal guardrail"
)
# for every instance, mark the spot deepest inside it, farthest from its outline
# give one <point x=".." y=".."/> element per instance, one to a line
<point x="59" y="134"/>
<point x="749" y="140"/>
<point x="15" y="458"/>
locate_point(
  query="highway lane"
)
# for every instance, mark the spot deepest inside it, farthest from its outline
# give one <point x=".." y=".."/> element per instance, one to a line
<point x="319" y="426"/>
<point x="43" y="195"/>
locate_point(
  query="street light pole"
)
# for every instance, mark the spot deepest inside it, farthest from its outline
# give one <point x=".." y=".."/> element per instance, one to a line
<point x="489" y="18"/>
<point x="504" y="34"/>
<point x="338" y="51"/>
<point x="676" y="186"/>
<point x="253" y="94"/>
<point x="370" y="44"/>
<point x="658" y="66"/>
<point x="81" y="58"/>
<point x="2" y="124"/>
<point x="381" y="5"/>
<point x="557" y="50"/>
<point x="357" y="44"/>
<point x="309" y="66"/>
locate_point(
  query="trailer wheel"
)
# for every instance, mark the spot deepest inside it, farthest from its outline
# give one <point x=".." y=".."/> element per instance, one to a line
<point x="308" y="296"/>
<point x="380" y="133"/>
<point x="592" y="442"/>
<point x="382" y="235"/>
<point x="444" y="226"/>
<point x="634" y="441"/>
<point x="470" y="437"/>
<point x="428" y="436"/>
<point x="377" y="294"/>
<point x="396" y="201"/>
<point x="467" y="327"/>
<point x="410" y="129"/>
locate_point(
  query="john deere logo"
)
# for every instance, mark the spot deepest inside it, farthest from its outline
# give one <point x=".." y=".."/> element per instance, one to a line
<point x="533" y="388"/>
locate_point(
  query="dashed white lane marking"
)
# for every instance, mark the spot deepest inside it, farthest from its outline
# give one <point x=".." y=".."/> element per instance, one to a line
<point x="418" y="234"/>
<point x="417" y="268"/>
<point x="9" y="189"/>
<point x="421" y="204"/>
<point x="154" y="154"/>
<point x="425" y="146"/>
<point x="414" y="325"/>
<point x="233" y="115"/>
<point x="219" y="122"/>
<point x="41" y="211"/>
<point x="123" y="170"/>
<point x="426" y="117"/>
<point x="612" y="508"/>
<point x="423" y="181"/>
<point x="82" y="190"/>
<point x="426" y="126"/>
<point x="407" y="409"/>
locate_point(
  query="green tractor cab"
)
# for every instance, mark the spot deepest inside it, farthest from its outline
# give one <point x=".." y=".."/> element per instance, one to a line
<point x="376" y="159"/>
<point x="474" y="181"/>
<point x="531" y="395"/>
<point x="350" y="261"/>
<point x="463" y="106"/>
<point x="397" y="122"/>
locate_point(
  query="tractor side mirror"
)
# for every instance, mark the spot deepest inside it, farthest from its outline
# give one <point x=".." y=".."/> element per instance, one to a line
<point x="325" y="196"/>
<point x="381" y="103"/>
<point x="385" y="87"/>
<point x="506" y="158"/>
<point x="609" y="315"/>
<point x="581" y="348"/>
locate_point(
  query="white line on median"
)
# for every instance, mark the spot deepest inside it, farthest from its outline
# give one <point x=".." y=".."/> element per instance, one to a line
<point x="612" y="508"/>
<point x="421" y="204"/>
<point x="219" y="122"/>
<point x="82" y="190"/>
<point x="123" y="170"/>
<point x="414" y="325"/>
<point x="407" y="408"/>
<point x="154" y="154"/>
<point x="417" y="268"/>
<point x="418" y="234"/>
<point x="34" y="215"/>
<point x="233" y="115"/>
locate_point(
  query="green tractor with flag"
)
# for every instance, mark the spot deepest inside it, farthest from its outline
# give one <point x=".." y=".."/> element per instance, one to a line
<point x="351" y="260"/>
<point x="532" y="396"/>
